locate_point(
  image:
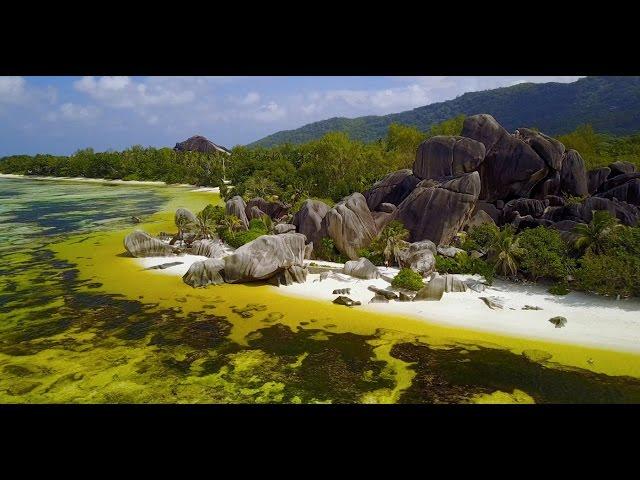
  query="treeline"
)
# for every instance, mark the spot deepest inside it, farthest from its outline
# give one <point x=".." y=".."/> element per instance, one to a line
<point x="328" y="168"/>
<point x="135" y="163"/>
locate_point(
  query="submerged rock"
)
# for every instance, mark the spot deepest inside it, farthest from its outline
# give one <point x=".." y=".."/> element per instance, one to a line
<point x="536" y="355"/>
<point x="205" y="272"/>
<point x="361" y="268"/>
<point x="346" y="301"/>
<point x="141" y="244"/>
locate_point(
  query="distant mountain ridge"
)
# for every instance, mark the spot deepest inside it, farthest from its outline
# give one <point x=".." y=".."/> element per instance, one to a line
<point x="610" y="104"/>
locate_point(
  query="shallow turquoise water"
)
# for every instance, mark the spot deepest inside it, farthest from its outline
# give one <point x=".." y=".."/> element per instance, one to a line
<point x="66" y="337"/>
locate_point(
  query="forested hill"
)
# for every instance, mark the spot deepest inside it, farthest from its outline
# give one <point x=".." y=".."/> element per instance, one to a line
<point x="609" y="104"/>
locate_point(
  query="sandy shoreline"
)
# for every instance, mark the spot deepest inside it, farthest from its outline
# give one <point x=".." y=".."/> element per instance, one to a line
<point x="592" y="320"/>
<point x="117" y="181"/>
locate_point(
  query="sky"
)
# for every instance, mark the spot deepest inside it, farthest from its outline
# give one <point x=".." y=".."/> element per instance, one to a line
<point x="59" y="115"/>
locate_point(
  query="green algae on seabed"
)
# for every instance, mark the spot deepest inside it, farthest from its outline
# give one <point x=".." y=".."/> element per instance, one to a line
<point x="80" y="322"/>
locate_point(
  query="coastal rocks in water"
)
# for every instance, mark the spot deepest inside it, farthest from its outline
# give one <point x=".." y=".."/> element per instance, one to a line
<point x="236" y="206"/>
<point x="275" y="210"/>
<point x="559" y="322"/>
<point x="361" y="268"/>
<point x="388" y="294"/>
<point x="350" y="225"/>
<point x="284" y="228"/>
<point x="346" y="301"/>
<point x="342" y="291"/>
<point x="596" y="177"/>
<point x="289" y="276"/>
<point x="377" y="298"/>
<point x="208" y="248"/>
<point x="393" y="188"/>
<point x="494" y="303"/>
<point x="573" y="177"/>
<point x="141" y="244"/>
<point x="308" y="220"/>
<point x="206" y="272"/>
<point x="444" y="156"/>
<point x="511" y="167"/>
<point x="447" y="251"/>
<point x="531" y="307"/>
<point x="264" y="257"/>
<point x="536" y="355"/>
<point x="419" y="257"/>
<point x="437" y="211"/>
<point x="135" y="219"/>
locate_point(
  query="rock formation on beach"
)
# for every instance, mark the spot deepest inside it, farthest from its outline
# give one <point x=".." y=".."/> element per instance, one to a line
<point x="198" y="143"/>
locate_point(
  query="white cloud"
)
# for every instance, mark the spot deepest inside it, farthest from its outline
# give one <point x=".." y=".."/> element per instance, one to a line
<point x="269" y="112"/>
<point x="250" y="99"/>
<point x="12" y="89"/>
<point x="123" y="92"/>
<point x="72" y="112"/>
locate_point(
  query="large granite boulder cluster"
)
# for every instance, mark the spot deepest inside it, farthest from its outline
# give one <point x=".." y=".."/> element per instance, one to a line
<point x="278" y="259"/>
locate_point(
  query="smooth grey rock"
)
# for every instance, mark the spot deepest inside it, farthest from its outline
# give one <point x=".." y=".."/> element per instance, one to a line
<point x="447" y="251"/>
<point x="141" y="244"/>
<point x="308" y="220"/>
<point x="388" y="294"/>
<point x="419" y="257"/>
<point x="549" y="149"/>
<point x="432" y="291"/>
<point x="264" y="257"/>
<point x="351" y="225"/>
<point x="284" y="228"/>
<point x="494" y="303"/>
<point x="275" y="210"/>
<point x="403" y="297"/>
<point x="203" y="273"/>
<point x="346" y="301"/>
<point x="377" y="298"/>
<point x="475" y="285"/>
<point x="620" y="168"/>
<point x="392" y="189"/>
<point x="481" y="217"/>
<point x="573" y="177"/>
<point x="236" y="206"/>
<point x="511" y="167"/>
<point x="596" y="178"/>
<point x="523" y="207"/>
<point x="559" y="322"/>
<point x="208" y="248"/>
<point x="184" y="216"/>
<point x="437" y="211"/>
<point x="361" y="268"/>
<point x="289" y="276"/>
<point x="443" y="156"/>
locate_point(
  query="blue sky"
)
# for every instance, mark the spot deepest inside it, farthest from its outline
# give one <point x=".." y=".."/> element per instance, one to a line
<point x="59" y="115"/>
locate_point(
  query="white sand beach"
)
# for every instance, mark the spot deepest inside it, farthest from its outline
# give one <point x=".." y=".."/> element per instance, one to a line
<point x="106" y="180"/>
<point x="592" y="320"/>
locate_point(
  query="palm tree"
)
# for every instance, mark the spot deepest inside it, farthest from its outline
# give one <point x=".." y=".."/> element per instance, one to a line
<point x="184" y="225"/>
<point x="505" y="250"/>
<point x="230" y="223"/>
<point x="393" y="237"/>
<point x="205" y="224"/>
<point x="592" y="237"/>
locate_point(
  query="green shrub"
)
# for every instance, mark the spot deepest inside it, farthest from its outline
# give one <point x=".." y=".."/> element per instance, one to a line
<point x="407" y="278"/>
<point x="464" y="264"/>
<point x="559" y="288"/>
<point x="480" y="237"/>
<point x="258" y="225"/>
<point x="327" y="250"/>
<point x="609" y="274"/>
<point x="544" y="254"/>
<point x="237" y="239"/>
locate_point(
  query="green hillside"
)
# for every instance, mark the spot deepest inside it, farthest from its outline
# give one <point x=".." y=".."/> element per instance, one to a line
<point x="609" y="104"/>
